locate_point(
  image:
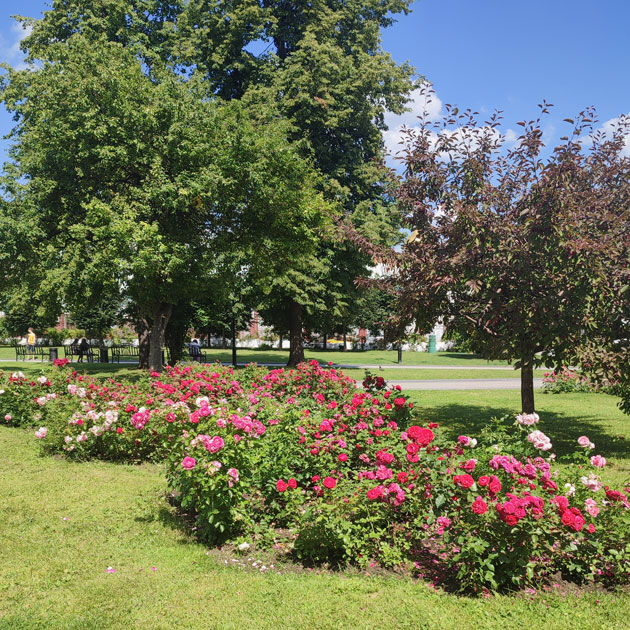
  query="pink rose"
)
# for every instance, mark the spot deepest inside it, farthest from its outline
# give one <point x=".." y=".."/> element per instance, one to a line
<point x="585" y="442"/>
<point x="598" y="461"/>
<point x="189" y="463"/>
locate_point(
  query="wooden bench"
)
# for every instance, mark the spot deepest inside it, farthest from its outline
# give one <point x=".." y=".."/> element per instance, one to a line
<point x="125" y="353"/>
<point x="73" y="350"/>
<point x="195" y="354"/>
<point x="22" y="352"/>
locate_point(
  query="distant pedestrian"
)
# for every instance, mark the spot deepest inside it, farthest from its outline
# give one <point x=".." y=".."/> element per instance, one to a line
<point x="84" y="349"/>
<point x="30" y="344"/>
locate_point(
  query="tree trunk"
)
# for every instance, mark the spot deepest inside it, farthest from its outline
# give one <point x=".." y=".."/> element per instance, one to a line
<point x="161" y="315"/>
<point x="296" y="350"/>
<point x="234" y="341"/>
<point x="527" y="386"/>
<point x="345" y="342"/>
<point x="280" y="343"/>
<point x="325" y="341"/>
<point x="142" y="328"/>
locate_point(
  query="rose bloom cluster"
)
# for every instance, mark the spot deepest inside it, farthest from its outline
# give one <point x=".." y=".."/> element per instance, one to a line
<point x="272" y="447"/>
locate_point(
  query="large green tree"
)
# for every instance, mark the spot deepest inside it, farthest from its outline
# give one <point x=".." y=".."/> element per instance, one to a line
<point x="321" y="64"/>
<point x="147" y="178"/>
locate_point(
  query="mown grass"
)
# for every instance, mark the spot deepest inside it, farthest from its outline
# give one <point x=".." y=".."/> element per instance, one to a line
<point x="371" y="357"/>
<point x="409" y="374"/>
<point x="53" y="571"/>
<point x="391" y="374"/>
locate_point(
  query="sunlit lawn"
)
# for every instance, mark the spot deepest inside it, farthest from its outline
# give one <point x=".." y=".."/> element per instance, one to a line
<point x="372" y="357"/>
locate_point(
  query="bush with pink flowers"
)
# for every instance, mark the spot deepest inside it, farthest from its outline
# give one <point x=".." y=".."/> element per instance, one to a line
<point x="349" y="476"/>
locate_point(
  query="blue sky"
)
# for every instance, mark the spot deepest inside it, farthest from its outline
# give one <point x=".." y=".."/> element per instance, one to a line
<point x="486" y="54"/>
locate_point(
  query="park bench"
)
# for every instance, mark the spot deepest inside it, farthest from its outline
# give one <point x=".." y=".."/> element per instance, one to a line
<point x="195" y="354"/>
<point x="126" y="352"/>
<point x="72" y="350"/>
<point x="22" y="352"/>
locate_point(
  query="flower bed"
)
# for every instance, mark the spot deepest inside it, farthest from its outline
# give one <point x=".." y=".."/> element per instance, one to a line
<point x="566" y="380"/>
<point x="305" y="460"/>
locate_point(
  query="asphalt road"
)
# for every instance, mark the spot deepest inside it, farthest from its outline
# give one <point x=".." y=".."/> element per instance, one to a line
<point x="464" y="383"/>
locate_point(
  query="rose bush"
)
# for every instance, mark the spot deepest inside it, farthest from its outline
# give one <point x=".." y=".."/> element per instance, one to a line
<point x="343" y="475"/>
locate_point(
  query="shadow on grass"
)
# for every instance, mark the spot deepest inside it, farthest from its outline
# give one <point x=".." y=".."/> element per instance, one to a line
<point x="563" y="429"/>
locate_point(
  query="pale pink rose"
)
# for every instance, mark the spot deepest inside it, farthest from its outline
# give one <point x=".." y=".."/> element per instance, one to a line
<point x="41" y="433"/>
<point x="598" y="461"/>
<point x="67" y="439"/>
<point x="591" y="507"/>
<point x="8" y="417"/>
<point x="527" y="419"/>
<point x="585" y="442"/>
<point x="539" y="440"/>
<point x="591" y="482"/>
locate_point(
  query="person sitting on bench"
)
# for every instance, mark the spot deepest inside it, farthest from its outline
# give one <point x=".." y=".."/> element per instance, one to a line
<point x="84" y="349"/>
<point x="194" y="348"/>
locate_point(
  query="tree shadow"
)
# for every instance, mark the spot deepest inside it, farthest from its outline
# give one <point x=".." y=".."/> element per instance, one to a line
<point x="563" y="429"/>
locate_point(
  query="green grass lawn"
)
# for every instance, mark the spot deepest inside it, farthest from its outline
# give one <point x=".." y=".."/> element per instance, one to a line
<point x="379" y="357"/>
<point x="410" y="374"/>
<point x="53" y="571"/>
<point x="372" y="357"/>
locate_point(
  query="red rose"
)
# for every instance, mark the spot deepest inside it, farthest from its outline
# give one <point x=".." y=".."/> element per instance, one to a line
<point x="479" y="506"/>
<point x="119" y="430"/>
<point x="465" y="481"/>
<point x="292" y="483"/>
<point x="374" y="493"/>
<point x="614" y="495"/>
<point x="342" y="457"/>
<point x="568" y="518"/>
<point x="510" y="519"/>
<point x="329" y="482"/>
<point x="484" y="480"/>
<point x="495" y="485"/>
<point x="281" y="486"/>
<point x="426" y="437"/>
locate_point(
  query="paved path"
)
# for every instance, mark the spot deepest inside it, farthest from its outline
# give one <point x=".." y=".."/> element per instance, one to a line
<point x="464" y="383"/>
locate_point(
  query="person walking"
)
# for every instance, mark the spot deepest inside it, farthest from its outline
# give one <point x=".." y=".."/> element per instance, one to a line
<point x="30" y="344"/>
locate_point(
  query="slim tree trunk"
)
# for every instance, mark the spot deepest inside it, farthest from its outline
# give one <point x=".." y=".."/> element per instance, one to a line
<point x="280" y="343"/>
<point x="296" y="350"/>
<point x="234" y="341"/>
<point x="345" y="342"/>
<point x="142" y="328"/>
<point x="325" y="341"/>
<point x="527" y="386"/>
<point x="161" y="314"/>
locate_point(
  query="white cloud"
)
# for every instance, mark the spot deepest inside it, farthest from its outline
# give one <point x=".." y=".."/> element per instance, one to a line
<point x="608" y="129"/>
<point x="10" y="49"/>
<point x="424" y="103"/>
<point x="427" y="105"/>
<point x="611" y="125"/>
